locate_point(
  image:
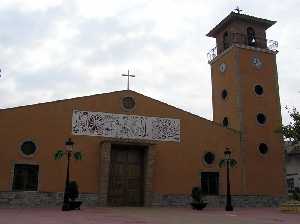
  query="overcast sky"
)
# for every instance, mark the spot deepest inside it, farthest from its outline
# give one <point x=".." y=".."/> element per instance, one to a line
<point x="57" y="49"/>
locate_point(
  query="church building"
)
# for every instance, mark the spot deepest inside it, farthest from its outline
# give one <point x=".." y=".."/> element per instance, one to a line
<point x="138" y="151"/>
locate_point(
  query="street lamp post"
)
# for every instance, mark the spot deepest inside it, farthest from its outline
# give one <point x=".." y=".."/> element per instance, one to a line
<point x="229" y="207"/>
<point x="69" y="148"/>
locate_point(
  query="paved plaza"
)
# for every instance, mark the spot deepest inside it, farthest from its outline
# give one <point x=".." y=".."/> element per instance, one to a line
<point x="135" y="215"/>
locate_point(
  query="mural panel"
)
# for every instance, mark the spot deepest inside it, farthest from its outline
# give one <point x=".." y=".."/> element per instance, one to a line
<point x="125" y="126"/>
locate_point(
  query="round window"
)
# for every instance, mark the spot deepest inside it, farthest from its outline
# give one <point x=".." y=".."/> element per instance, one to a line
<point x="28" y="148"/>
<point x="258" y="89"/>
<point x="224" y="94"/>
<point x="209" y="158"/>
<point x="128" y="103"/>
<point x="261" y="118"/>
<point x="225" y="122"/>
<point x="263" y="148"/>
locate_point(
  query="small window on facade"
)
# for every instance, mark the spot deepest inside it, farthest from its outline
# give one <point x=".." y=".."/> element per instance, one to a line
<point x="251" y="37"/>
<point x="263" y="148"/>
<point x="261" y="118"/>
<point x="210" y="183"/>
<point x="224" y="94"/>
<point x="209" y="158"/>
<point x="28" y="148"/>
<point x="225" y="122"/>
<point x="25" y="177"/>
<point x="258" y="89"/>
<point x="225" y="40"/>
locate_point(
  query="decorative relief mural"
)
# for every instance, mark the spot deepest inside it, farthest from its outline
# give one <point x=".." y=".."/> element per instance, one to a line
<point x="125" y="126"/>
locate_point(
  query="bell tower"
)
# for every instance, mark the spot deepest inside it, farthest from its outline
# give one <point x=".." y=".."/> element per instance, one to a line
<point x="245" y="97"/>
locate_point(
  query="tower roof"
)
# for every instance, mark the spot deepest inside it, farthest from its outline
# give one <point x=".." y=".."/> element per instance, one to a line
<point x="242" y="17"/>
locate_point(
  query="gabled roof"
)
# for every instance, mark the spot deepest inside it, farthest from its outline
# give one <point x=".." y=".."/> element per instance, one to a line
<point x="242" y="17"/>
<point x="77" y="100"/>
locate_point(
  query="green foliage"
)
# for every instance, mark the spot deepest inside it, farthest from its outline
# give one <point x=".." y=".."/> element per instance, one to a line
<point x="78" y="155"/>
<point x="72" y="190"/>
<point x="222" y="163"/>
<point x="291" y="132"/>
<point x="197" y="195"/>
<point x="232" y="163"/>
<point x="58" y="154"/>
<point x="296" y="194"/>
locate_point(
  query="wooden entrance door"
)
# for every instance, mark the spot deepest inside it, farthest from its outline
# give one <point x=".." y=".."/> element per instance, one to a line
<point x="126" y="185"/>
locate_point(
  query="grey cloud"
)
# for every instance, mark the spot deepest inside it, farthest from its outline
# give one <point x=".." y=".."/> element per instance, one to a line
<point x="182" y="80"/>
<point x="22" y="28"/>
<point x="108" y="41"/>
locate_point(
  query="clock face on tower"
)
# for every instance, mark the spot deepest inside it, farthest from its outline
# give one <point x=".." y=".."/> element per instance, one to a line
<point x="257" y="62"/>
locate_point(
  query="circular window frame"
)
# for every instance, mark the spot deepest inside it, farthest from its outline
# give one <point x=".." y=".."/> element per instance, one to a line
<point x="261" y="124"/>
<point x="203" y="158"/>
<point x="255" y="60"/>
<point x="222" y="68"/>
<point x="28" y="140"/>
<point x="259" y="152"/>
<point x="261" y="95"/>
<point x="122" y="103"/>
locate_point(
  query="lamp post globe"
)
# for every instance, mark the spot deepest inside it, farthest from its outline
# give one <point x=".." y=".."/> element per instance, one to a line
<point x="69" y="145"/>
<point x="227" y="154"/>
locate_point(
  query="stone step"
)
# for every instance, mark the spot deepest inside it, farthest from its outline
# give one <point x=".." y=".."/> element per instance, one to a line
<point x="290" y="206"/>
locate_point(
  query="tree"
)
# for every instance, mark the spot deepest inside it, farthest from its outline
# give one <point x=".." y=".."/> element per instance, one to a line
<point x="291" y="132"/>
<point x="232" y="162"/>
<point x="59" y="154"/>
<point x="71" y="186"/>
<point x="72" y="190"/>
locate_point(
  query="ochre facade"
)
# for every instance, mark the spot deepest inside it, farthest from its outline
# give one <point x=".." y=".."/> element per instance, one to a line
<point x="49" y="125"/>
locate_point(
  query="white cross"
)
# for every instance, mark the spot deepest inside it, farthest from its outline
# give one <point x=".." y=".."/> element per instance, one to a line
<point x="128" y="78"/>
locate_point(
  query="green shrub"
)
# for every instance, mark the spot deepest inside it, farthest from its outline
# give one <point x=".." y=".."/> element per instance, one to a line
<point x="197" y="195"/>
<point x="72" y="190"/>
<point x="296" y="194"/>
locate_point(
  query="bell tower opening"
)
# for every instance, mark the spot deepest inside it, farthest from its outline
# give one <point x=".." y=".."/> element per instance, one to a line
<point x="225" y="41"/>
<point x="251" y="37"/>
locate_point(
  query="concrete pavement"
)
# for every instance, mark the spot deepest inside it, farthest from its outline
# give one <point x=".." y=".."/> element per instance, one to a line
<point x="140" y="215"/>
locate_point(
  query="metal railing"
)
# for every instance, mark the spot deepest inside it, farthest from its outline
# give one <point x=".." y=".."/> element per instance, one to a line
<point x="238" y="38"/>
<point x="212" y="54"/>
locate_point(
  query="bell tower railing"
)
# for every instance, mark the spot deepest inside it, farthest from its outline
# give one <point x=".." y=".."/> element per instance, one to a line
<point x="242" y="39"/>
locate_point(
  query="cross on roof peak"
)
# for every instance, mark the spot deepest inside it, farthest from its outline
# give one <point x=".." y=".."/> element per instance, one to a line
<point x="128" y="75"/>
<point x="238" y="10"/>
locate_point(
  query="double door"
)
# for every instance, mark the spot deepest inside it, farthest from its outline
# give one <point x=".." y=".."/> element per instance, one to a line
<point x="126" y="182"/>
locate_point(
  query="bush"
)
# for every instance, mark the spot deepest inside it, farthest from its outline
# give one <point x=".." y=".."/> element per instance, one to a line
<point x="198" y="203"/>
<point x="72" y="190"/>
<point x="197" y="195"/>
<point x="296" y="194"/>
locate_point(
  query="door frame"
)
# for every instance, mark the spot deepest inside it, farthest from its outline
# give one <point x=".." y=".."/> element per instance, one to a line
<point x="104" y="170"/>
